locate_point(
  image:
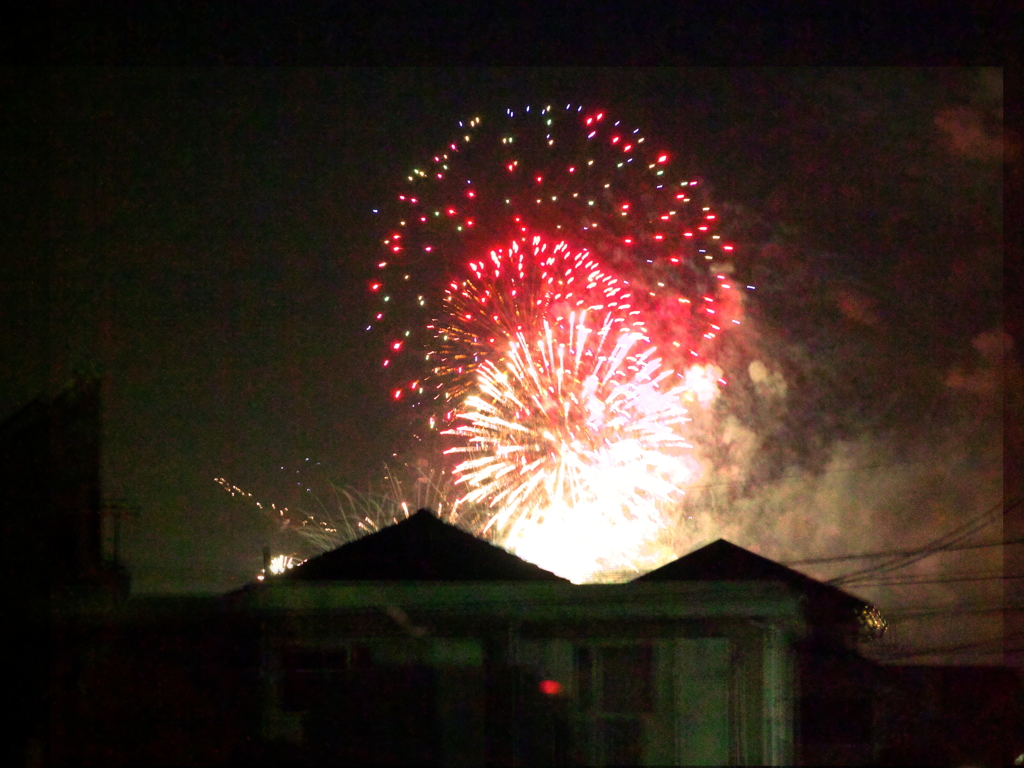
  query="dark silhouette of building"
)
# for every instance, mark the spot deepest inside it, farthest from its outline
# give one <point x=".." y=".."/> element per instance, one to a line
<point x="478" y="657"/>
<point x="421" y="644"/>
<point x="950" y="715"/>
<point x="50" y="466"/>
<point x="835" y="686"/>
<point x="50" y="472"/>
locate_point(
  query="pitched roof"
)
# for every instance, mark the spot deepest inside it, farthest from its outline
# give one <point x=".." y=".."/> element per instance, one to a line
<point x="724" y="561"/>
<point x="419" y="548"/>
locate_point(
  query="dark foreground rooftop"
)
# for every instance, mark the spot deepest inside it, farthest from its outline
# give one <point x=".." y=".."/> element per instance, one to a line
<point x="420" y="548"/>
<point x="723" y="561"/>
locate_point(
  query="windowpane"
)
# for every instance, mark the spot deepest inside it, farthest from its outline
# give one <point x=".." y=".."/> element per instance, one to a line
<point x="626" y="677"/>
<point x="585" y="677"/>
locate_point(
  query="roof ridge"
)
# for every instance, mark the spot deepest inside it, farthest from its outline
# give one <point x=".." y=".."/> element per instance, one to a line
<point x="419" y="547"/>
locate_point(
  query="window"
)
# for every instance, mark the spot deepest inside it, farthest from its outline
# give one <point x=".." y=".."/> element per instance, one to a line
<point x="614" y="689"/>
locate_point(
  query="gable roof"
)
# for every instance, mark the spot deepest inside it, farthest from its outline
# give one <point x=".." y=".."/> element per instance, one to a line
<point x="419" y="548"/>
<point x="724" y="561"/>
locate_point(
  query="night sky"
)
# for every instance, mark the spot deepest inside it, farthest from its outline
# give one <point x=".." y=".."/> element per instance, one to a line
<point x="212" y="239"/>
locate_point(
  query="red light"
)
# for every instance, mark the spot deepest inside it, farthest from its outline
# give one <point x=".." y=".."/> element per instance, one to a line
<point x="469" y="222"/>
<point x="375" y="287"/>
<point x="398" y="394"/>
<point x="540" y="179"/>
<point x="550" y="687"/>
<point x="659" y="237"/>
<point x="687" y="234"/>
<point x="511" y="167"/>
<point x="628" y="241"/>
<point x="572" y="169"/>
<point x="726" y="247"/>
<point x="663" y="159"/>
<point x="451" y="211"/>
<point x="471" y="193"/>
<point x="627" y="148"/>
<point x="397" y="345"/>
<point x="600" y="115"/>
<point x="590" y="120"/>
<point x="615" y="139"/>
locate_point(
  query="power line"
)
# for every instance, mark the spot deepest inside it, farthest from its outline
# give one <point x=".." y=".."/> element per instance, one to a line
<point x="896" y="553"/>
<point x="950" y="611"/>
<point x="940" y="544"/>
<point x="912" y="580"/>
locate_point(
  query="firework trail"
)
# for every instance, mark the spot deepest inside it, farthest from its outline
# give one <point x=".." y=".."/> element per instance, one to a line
<point x="575" y="176"/>
<point x="327" y="516"/>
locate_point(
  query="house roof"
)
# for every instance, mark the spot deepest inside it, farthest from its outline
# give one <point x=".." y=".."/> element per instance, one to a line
<point x="419" y="548"/>
<point x="724" y="561"/>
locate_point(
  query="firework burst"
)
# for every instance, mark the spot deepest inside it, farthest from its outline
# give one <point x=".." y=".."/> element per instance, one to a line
<point x="576" y="436"/>
<point x="531" y="271"/>
<point x="575" y="175"/>
<point x="509" y="293"/>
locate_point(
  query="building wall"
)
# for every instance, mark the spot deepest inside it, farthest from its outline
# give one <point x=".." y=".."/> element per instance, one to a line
<point x="164" y="684"/>
<point x="939" y="715"/>
<point x="837" y="701"/>
<point x="596" y="693"/>
<point x="701" y="682"/>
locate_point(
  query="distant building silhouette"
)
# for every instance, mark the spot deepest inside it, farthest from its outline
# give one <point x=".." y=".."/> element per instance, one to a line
<point x="50" y="473"/>
<point x="50" y="468"/>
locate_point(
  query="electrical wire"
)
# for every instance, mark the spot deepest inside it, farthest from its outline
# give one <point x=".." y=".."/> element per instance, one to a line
<point x="950" y="580"/>
<point x="895" y="553"/>
<point x="943" y="543"/>
<point x="960" y="610"/>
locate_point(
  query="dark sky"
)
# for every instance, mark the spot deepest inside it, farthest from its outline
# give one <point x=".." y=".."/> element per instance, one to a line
<point x="211" y="239"/>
